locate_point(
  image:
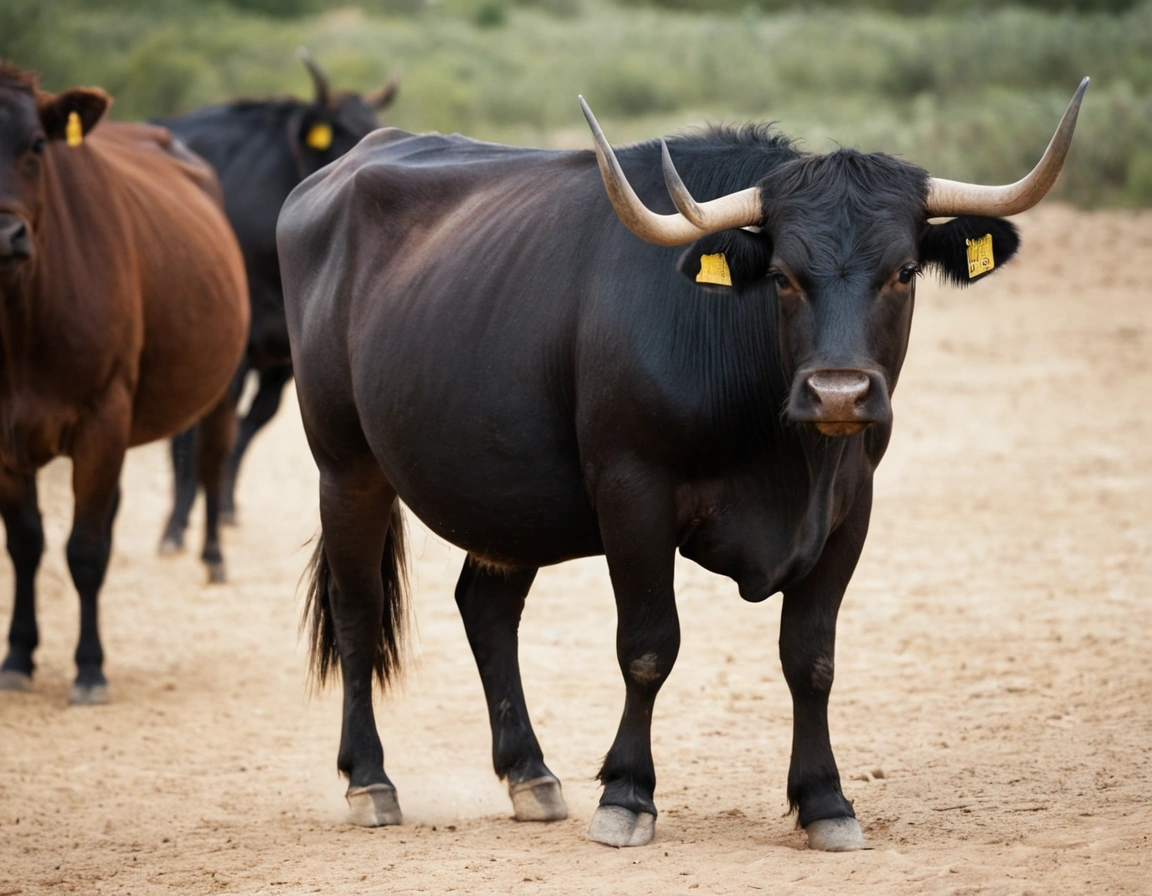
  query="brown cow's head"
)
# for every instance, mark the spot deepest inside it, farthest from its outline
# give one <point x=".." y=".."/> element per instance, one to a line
<point x="333" y="122"/>
<point x="839" y="239"/>
<point x="31" y="121"/>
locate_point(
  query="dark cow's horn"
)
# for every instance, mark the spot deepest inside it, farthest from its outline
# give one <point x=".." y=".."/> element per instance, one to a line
<point x="949" y="197"/>
<point x="319" y="79"/>
<point x="666" y="230"/>
<point x="740" y="209"/>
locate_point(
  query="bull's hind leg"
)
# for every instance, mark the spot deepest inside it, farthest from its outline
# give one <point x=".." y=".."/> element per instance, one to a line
<point x="491" y="602"/>
<point x="262" y="410"/>
<point x="807" y="655"/>
<point x="21" y="513"/>
<point x="216" y="433"/>
<point x="357" y="615"/>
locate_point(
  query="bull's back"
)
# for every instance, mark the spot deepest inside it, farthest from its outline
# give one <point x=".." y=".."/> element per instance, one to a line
<point x="445" y="332"/>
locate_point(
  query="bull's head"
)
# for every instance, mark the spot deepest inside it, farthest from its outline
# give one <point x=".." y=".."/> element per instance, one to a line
<point x="334" y="121"/>
<point x="31" y="122"/>
<point x="840" y="239"/>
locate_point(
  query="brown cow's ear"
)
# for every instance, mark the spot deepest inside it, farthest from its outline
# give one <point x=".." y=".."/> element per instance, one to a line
<point x="89" y="104"/>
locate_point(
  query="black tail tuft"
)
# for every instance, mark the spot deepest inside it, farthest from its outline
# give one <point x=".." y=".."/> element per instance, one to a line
<point x="391" y="639"/>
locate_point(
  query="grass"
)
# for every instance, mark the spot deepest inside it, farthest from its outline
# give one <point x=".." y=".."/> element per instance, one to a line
<point x="969" y="95"/>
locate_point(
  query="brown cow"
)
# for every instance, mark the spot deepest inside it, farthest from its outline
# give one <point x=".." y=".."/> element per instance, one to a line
<point x="123" y="315"/>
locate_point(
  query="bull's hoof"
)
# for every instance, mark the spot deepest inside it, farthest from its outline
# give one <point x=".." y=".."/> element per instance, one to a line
<point x="617" y="826"/>
<point x="11" y="680"/>
<point x="88" y="694"/>
<point x="170" y="545"/>
<point x="217" y="574"/>
<point x="836" y="835"/>
<point x="227" y="518"/>
<point x="539" y="799"/>
<point x="373" y="806"/>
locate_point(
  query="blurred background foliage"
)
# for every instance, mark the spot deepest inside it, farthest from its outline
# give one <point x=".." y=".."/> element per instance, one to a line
<point x="969" y="90"/>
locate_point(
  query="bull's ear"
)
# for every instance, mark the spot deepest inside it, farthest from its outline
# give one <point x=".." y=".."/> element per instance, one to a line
<point x="88" y="103"/>
<point x="730" y="259"/>
<point x="968" y="248"/>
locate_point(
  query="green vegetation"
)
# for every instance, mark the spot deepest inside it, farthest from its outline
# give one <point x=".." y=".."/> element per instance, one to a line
<point x="970" y="91"/>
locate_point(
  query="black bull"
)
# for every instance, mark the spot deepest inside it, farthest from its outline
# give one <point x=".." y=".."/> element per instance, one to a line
<point x="475" y="332"/>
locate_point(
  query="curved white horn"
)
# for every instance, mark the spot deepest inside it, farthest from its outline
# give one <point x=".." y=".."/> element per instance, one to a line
<point x="663" y="230"/>
<point x="740" y="209"/>
<point x="950" y="197"/>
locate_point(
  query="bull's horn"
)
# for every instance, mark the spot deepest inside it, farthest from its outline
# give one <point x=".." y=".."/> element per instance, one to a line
<point x="663" y="230"/>
<point x="741" y="209"/>
<point x="384" y="95"/>
<point x="319" y="79"/>
<point x="949" y="197"/>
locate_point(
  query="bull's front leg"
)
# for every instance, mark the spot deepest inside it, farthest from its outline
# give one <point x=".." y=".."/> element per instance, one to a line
<point x="807" y="654"/>
<point x="637" y="524"/>
<point x="21" y="514"/>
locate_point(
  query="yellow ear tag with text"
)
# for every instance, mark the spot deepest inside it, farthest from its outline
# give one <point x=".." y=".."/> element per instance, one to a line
<point x="319" y="136"/>
<point x="980" y="260"/>
<point x="74" y="131"/>
<point x="714" y="269"/>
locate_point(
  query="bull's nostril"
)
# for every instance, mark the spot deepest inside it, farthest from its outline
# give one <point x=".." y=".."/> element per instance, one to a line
<point x="14" y="241"/>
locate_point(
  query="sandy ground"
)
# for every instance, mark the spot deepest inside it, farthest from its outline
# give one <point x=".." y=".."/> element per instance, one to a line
<point x="992" y="714"/>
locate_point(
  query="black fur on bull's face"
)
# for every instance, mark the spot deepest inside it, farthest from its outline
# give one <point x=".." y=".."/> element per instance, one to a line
<point x="31" y="122"/>
<point x="842" y="240"/>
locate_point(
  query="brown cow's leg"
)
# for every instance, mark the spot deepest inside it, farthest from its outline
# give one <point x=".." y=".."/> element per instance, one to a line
<point x="491" y="602"/>
<point x="97" y="458"/>
<point x="637" y="523"/>
<point x="807" y="654"/>
<point x="216" y="433"/>
<point x="21" y="514"/>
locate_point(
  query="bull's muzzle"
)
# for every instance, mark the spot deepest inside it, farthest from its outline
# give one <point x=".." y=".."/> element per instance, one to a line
<point x="840" y="401"/>
<point x="15" y="240"/>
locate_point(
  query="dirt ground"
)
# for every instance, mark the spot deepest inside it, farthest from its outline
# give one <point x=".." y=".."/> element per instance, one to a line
<point x="992" y="714"/>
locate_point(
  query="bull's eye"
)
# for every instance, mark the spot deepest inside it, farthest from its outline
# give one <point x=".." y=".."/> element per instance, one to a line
<point x="38" y="145"/>
<point x="781" y="280"/>
<point x="908" y="272"/>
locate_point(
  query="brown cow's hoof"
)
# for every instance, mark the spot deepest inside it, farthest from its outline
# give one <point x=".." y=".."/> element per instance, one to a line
<point x="88" y="694"/>
<point x="617" y="826"/>
<point x="217" y="575"/>
<point x="373" y="806"/>
<point x="11" y="680"/>
<point x="836" y="835"/>
<point x="538" y="800"/>
<point x="170" y="546"/>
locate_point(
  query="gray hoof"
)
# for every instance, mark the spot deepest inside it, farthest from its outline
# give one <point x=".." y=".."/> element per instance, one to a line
<point x="617" y="826"/>
<point x="217" y="575"/>
<point x="11" y="680"/>
<point x="373" y="806"/>
<point x="836" y="835"/>
<point x="170" y="546"/>
<point x="88" y="695"/>
<point x="538" y="800"/>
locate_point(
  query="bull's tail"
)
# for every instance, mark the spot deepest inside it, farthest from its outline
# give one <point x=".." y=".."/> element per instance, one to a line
<point x="390" y="639"/>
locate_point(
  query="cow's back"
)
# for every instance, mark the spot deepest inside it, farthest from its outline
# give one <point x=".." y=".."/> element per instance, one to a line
<point x="139" y="232"/>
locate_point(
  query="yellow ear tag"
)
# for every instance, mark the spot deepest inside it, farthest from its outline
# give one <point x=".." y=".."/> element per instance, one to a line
<point x="74" y="131"/>
<point x="714" y="269"/>
<point x="980" y="260"/>
<point x="319" y="136"/>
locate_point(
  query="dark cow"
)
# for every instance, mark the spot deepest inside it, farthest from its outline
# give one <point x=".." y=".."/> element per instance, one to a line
<point x="261" y="149"/>
<point x="475" y="332"/>
<point x="123" y="314"/>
